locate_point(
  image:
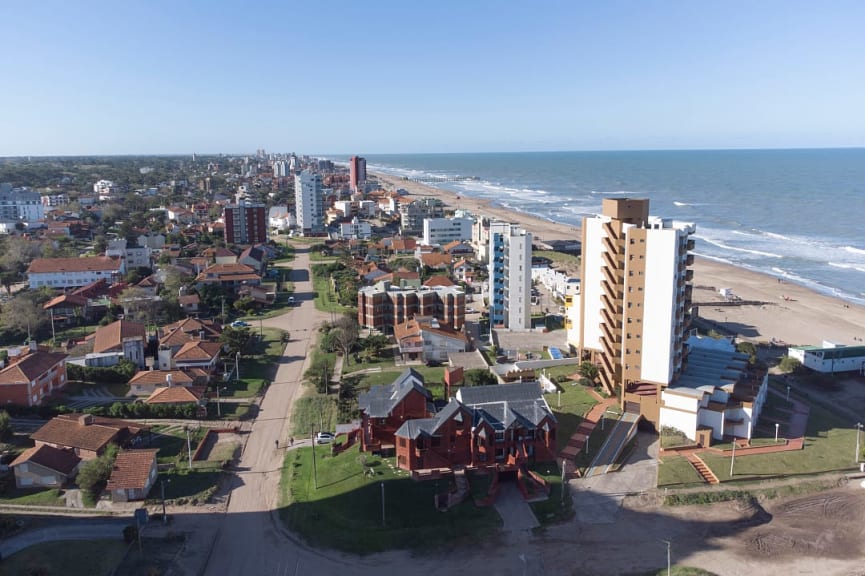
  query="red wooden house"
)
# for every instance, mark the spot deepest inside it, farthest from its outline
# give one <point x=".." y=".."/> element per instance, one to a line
<point x="385" y="408"/>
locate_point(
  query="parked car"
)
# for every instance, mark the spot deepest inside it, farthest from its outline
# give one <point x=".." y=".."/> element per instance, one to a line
<point x="323" y="438"/>
<point x="291" y="300"/>
<point x="240" y="324"/>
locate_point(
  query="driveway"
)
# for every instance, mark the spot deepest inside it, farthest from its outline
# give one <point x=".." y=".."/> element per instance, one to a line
<point x="515" y="511"/>
<point x="598" y="499"/>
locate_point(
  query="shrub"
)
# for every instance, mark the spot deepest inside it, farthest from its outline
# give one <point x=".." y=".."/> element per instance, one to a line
<point x="789" y="364"/>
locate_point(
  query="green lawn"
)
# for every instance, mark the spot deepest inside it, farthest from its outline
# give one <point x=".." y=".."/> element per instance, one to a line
<point x="555" y="508"/>
<point x="258" y="367"/>
<point x="79" y="558"/>
<point x="171" y="443"/>
<point x="575" y="403"/>
<point x="37" y="497"/>
<point x="345" y="511"/>
<point x="228" y="410"/>
<point x="325" y="299"/>
<point x="828" y="448"/>
<point x="676" y="471"/>
<point x="184" y="486"/>
<point x="314" y="411"/>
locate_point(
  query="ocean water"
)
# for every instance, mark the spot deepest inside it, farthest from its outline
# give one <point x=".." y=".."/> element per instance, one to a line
<point x="796" y="214"/>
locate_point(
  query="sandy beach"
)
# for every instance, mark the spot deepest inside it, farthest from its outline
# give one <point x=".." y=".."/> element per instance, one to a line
<point x="785" y="312"/>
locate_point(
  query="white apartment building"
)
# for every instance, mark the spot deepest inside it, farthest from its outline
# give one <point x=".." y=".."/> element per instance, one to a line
<point x="309" y="202"/>
<point x="20" y="204"/>
<point x="133" y="256"/>
<point x="74" y="272"/>
<point x="441" y="231"/>
<point x="510" y="277"/>
<point x="355" y="230"/>
<point x="634" y="308"/>
<point x="52" y="200"/>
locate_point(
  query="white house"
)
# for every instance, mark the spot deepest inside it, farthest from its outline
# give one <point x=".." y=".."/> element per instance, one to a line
<point x="134" y="256"/>
<point x="714" y="393"/>
<point x="830" y="358"/>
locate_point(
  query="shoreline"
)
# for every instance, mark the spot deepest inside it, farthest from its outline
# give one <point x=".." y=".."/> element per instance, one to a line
<point x="789" y="312"/>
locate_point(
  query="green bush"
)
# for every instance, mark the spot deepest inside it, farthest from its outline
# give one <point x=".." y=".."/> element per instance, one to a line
<point x="119" y="374"/>
<point x="789" y="364"/>
<point x="142" y="410"/>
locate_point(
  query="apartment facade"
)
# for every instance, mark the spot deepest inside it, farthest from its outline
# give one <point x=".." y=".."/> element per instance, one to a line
<point x="357" y="173"/>
<point x="634" y="309"/>
<point x="510" y="277"/>
<point x="441" y="231"/>
<point x="20" y="204"/>
<point x="74" y="272"/>
<point x="384" y="305"/>
<point x="32" y="375"/>
<point x="309" y="202"/>
<point x="245" y="223"/>
<point x="412" y="214"/>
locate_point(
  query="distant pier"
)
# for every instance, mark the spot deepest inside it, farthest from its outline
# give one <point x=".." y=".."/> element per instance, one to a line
<point x="439" y="179"/>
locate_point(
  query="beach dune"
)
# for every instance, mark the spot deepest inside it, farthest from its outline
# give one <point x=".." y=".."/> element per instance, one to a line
<point x="773" y="310"/>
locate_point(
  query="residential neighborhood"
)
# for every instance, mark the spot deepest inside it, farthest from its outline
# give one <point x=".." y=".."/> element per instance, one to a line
<point x="380" y="349"/>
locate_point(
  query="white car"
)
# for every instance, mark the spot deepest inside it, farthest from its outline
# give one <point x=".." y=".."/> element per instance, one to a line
<point x="323" y="438"/>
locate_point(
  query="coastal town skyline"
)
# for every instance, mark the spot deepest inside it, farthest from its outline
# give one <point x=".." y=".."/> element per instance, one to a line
<point x="392" y="78"/>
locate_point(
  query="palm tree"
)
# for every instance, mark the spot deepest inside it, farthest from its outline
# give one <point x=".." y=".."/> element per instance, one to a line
<point x="589" y="372"/>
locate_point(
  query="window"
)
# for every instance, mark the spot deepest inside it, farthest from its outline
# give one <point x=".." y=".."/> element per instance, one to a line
<point x="500" y="436"/>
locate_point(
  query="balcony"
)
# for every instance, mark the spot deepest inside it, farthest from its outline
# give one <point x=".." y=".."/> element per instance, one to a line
<point x="689" y="276"/>
<point x="690" y="244"/>
<point x="689" y="260"/>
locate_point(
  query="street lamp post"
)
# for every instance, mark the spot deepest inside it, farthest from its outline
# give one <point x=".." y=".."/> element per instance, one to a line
<point x="788" y="392"/>
<point x="164" y="517"/>
<point x="189" y="446"/>
<point x="733" y="458"/>
<point x="858" y="427"/>
<point x="237" y="366"/>
<point x="776" y="432"/>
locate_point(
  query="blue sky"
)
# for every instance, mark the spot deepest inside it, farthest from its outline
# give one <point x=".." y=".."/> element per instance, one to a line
<point x="448" y="76"/>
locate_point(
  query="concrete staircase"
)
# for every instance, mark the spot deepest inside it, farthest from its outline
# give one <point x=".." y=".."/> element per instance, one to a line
<point x="705" y="473"/>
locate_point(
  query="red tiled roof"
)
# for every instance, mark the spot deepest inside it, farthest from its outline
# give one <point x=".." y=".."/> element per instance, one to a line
<point x="188" y="299"/>
<point x="198" y="350"/>
<point x="65" y="431"/>
<point x="131" y="469"/>
<point x="87" y="264"/>
<point x="176" y="395"/>
<point x="108" y="338"/>
<point x="31" y="367"/>
<point x="434" y="260"/>
<point x="65" y="299"/>
<point x="183" y="331"/>
<point x="147" y="377"/>
<point x="62" y="461"/>
<point x="438" y="280"/>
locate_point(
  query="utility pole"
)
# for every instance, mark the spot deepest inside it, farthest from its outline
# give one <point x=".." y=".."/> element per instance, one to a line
<point x="564" y="483"/>
<point x="314" y="471"/>
<point x="189" y="446"/>
<point x="382" y="505"/>
<point x="164" y="517"/>
<point x="858" y="427"/>
<point x="733" y="458"/>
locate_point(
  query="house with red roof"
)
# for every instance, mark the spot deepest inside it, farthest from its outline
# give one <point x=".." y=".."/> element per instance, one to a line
<point x="229" y="276"/>
<point x="44" y="466"/>
<point x="32" y="375"/>
<point x="123" y="338"/>
<point x="74" y="272"/>
<point x="424" y="338"/>
<point x="133" y="475"/>
<point x="177" y="395"/>
<point x="87" y="435"/>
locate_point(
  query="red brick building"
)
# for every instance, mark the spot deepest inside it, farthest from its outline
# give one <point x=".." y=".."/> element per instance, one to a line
<point x="245" y="223"/>
<point x="32" y="375"/>
<point x="502" y="427"/>
<point x="383" y="306"/>
<point x="384" y="409"/>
